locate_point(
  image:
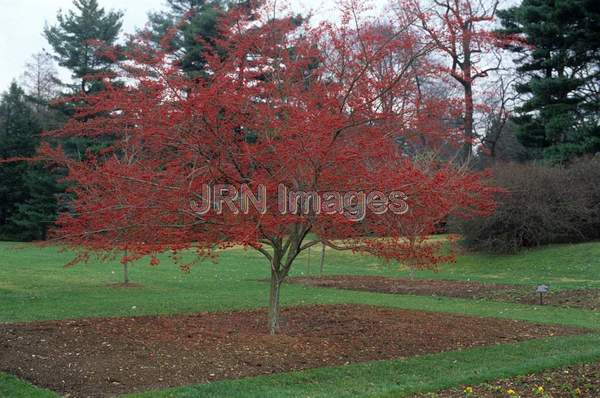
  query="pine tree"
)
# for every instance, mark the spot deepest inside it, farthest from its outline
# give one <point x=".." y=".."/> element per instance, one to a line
<point x="76" y="36"/>
<point x="36" y="211"/>
<point x="39" y="210"/>
<point x="193" y="20"/>
<point x="559" y="66"/>
<point x="28" y="191"/>
<point x="19" y="133"/>
<point x="77" y="40"/>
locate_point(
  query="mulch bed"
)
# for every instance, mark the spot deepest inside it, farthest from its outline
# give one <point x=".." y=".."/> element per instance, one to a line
<point x="582" y="298"/>
<point x="572" y="382"/>
<point x="108" y="356"/>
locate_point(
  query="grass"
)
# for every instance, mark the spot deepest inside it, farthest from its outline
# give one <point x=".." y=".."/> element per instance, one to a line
<point x="11" y="387"/>
<point x="35" y="286"/>
<point x="561" y="266"/>
<point x="398" y="378"/>
<point x="393" y="379"/>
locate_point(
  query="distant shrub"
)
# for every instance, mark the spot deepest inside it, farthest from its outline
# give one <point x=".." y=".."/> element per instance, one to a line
<point x="542" y="205"/>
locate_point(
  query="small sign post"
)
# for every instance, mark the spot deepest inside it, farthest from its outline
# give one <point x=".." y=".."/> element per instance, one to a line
<point x="542" y="289"/>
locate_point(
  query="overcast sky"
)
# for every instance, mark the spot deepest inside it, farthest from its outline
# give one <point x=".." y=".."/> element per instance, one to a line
<point x="22" y="22"/>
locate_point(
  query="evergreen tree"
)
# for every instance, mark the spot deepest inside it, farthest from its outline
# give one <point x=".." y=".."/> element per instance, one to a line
<point x="194" y="29"/>
<point x="75" y="37"/>
<point x="28" y="191"/>
<point x="19" y="134"/>
<point x="39" y="210"/>
<point x="193" y="20"/>
<point x="559" y="65"/>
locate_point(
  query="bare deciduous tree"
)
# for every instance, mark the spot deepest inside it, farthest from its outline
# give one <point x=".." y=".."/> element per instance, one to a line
<point x="461" y="31"/>
<point x="41" y="78"/>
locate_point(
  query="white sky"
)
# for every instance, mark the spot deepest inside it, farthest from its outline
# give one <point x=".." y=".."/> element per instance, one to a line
<point x="22" y="22"/>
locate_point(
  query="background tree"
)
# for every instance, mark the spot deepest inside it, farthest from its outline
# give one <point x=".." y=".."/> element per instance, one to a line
<point x="36" y="214"/>
<point x="191" y="26"/>
<point x="40" y="80"/>
<point x="317" y="127"/>
<point x="558" y="62"/>
<point x="43" y="87"/>
<point x="19" y="135"/>
<point x="83" y="41"/>
<point x="460" y="30"/>
<point x="29" y="191"/>
<point x="499" y="141"/>
<point x="425" y="100"/>
<point x="77" y="36"/>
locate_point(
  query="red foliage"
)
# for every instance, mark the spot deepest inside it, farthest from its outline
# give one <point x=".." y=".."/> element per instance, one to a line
<point x="310" y="108"/>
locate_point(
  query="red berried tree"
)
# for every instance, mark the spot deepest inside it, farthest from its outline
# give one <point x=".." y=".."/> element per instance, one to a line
<point x="281" y="104"/>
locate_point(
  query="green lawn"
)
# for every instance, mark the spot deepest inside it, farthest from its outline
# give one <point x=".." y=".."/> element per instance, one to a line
<point x="398" y="378"/>
<point x="35" y="286"/>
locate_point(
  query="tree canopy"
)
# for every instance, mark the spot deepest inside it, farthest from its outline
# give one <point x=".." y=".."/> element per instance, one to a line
<point x="558" y="62"/>
<point x="77" y="36"/>
<point x="324" y="116"/>
<point x="28" y="204"/>
<point x="192" y="26"/>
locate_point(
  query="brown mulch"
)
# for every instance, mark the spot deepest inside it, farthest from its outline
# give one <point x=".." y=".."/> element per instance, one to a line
<point x="108" y="356"/>
<point x="571" y="382"/>
<point x="582" y="298"/>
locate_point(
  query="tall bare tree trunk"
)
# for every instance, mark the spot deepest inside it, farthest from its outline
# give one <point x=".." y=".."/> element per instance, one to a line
<point x="274" y="302"/>
<point x="469" y="109"/>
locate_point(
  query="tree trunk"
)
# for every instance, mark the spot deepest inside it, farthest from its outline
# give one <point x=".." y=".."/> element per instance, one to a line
<point x="274" y="303"/>
<point x="469" y="109"/>
<point x="322" y="259"/>
<point x="125" y="274"/>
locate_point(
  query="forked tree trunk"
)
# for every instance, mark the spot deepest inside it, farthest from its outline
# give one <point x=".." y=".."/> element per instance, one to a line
<point x="274" y="303"/>
<point x="284" y="254"/>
